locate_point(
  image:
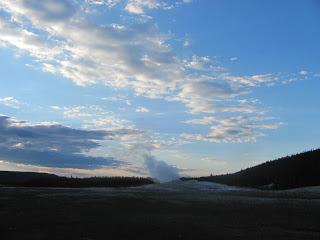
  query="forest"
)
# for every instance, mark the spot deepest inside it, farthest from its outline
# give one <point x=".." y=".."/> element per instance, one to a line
<point x="299" y="170"/>
<point x="33" y="179"/>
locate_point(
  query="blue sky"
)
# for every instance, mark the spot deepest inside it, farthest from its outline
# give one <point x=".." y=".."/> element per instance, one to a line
<point x="96" y="87"/>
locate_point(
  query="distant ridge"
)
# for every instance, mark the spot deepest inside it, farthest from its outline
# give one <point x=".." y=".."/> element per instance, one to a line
<point x="299" y="170"/>
<point x="34" y="179"/>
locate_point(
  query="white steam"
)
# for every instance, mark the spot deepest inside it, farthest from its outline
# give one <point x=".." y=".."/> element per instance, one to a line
<point x="160" y="170"/>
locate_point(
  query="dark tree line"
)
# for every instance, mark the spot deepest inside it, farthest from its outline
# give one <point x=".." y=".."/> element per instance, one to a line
<point x="299" y="170"/>
<point x="29" y="179"/>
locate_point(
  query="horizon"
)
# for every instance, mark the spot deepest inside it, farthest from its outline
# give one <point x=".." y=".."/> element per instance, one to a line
<point x="156" y="88"/>
<point x="174" y="179"/>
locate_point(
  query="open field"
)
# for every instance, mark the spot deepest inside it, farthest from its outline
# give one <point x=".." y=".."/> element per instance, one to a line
<point x="159" y="212"/>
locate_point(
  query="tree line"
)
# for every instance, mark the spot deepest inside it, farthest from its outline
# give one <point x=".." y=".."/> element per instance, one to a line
<point x="299" y="170"/>
<point x="29" y="179"/>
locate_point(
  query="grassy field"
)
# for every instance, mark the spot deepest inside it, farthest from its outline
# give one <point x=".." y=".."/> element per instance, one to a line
<point x="30" y="213"/>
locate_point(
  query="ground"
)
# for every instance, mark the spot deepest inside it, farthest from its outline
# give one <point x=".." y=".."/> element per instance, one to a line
<point x="170" y="211"/>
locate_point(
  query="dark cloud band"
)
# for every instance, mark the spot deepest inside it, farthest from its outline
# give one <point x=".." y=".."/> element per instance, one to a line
<point x="53" y="145"/>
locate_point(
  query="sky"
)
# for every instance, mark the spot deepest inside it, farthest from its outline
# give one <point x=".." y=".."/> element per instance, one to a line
<point x="156" y="87"/>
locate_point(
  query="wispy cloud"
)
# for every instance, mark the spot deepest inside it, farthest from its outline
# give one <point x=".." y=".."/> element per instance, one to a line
<point x="232" y="129"/>
<point x="139" y="7"/>
<point x="109" y="3"/>
<point x="303" y="72"/>
<point x="138" y="56"/>
<point x="142" y="110"/>
<point x="233" y="59"/>
<point x="93" y="117"/>
<point x="130" y="55"/>
<point x="11" y="102"/>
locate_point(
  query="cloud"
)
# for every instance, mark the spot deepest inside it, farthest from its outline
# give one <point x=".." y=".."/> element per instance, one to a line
<point x="303" y="72"/>
<point x="198" y="63"/>
<point x="186" y="43"/>
<point x="49" y="10"/>
<point x="160" y="170"/>
<point x="142" y="110"/>
<point x="55" y="107"/>
<point x="138" y="55"/>
<point x="254" y="80"/>
<point x="239" y="129"/>
<point x="94" y="117"/>
<point x="56" y="159"/>
<point x="132" y="55"/>
<point x="212" y="95"/>
<point x="109" y="3"/>
<point x="140" y="6"/>
<point x="53" y="145"/>
<point x="132" y="142"/>
<point x="26" y="41"/>
<point x="11" y="102"/>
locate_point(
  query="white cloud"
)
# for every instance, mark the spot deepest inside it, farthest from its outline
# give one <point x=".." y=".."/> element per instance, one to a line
<point x="109" y="3"/>
<point x="213" y="95"/>
<point x="202" y="121"/>
<point x="140" y="6"/>
<point x="186" y="43"/>
<point x="26" y="41"/>
<point x="55" y="107"/>
<point x="303" y="72"/>
<point x="57" y="34"/>
<point x="137" y="6"/>
<point x="198" y="63"/>
<point x="138" y="56"/>
<point x="254" y="80"/>
<point x="142" y="110"/>
<point x="76" y="112"/>
<point x="94" y="117"/>
<point x="11" y="102"/>
<point x="233" y="129"/>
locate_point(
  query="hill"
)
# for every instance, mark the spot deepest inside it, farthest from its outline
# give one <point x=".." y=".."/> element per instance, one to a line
<point x="33" y="179"/>
<point x="299" y="170"/>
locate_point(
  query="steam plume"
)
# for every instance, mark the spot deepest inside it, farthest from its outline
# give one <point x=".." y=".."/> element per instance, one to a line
<point x="160" y="170"/>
